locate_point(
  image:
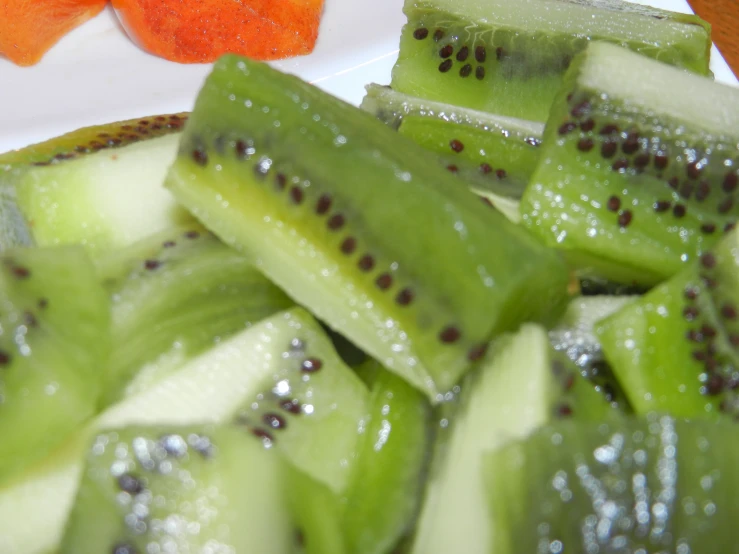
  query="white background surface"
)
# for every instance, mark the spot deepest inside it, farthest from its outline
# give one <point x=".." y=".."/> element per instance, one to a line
<point x="97" y="75"/>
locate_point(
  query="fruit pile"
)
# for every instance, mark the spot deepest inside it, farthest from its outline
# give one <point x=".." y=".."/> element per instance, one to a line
<point x="184" y="32"/>
<point x="284" y="324"/>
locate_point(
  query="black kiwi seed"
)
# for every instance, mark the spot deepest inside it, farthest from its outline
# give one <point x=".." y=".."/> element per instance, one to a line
<point x="151" y="265"/>
<point x="580" y="109"/>
<point x="730" y="182"/>
<point x="729" y="227"/>
<point x="453" y="168"/>
<point x="456" y="145"/>
<point x="691" y="293"/>
<point x="708" y="331"/>
<point x="446" y="51"/>
<point x="349" y="245"/>
<point x="296" y="194"/>
<point x="614" y="203"/>
<point x="477" y="352"/>
<point x="694" y="336"/>
<point x="686" y="190"/>
<point x="631" y="144"/>
<point x="311" y="365"/>
<point x="690" y="313"/>
<point x="280" y="181"/>
<point x="480" y="54"/>
<point x="486" y="168"/>
<point x="499" y="53"/>
<point x="728" y="311"/>
<point x="199" y="156"/>
<point x="449" y="334"/>
<point x="274" y="421"/>
<point x="463" y="53"/>
<point x="323" y="205"/>
<point x="445" y="66"/>
<point x="262" y="434"/>
<point x="725" y="205"/>
<point x="466" y="70"/>
<point x="291" y="406"/>
<point x="241" y="149"/>
<point x="169" y="244"/>
<point x="608" y="149"/>
<point x="708" y="228"/>
<point x="708" y="260"/>
<point x="43" y="303"/>
<point x="384" y="281"/>
<point x="620" y="164"/>
<point x="438" y="35"/>
<point x="500" y="174"/>
<point x="708" y="281"/>
<point x="704" y="189"/>
<point x="192" y="235"/>
<point x="20" y="272"/>
<point x="609" y="129"/>
<point x="29" y="319"/>
<point x="660" y="160"/>
<point x="421" y="33"/>
<point x="642" y="160"/>
<point x="566" y="128"/>
<point x="693" y="170"/>
<point x="585" y="145"/>
<point x="480" y="73"/>
<point x="123" y="548"/>
<point x="336" y="222"/>
<point x="130" y="483"/>
<point x="564" y="410"/>
<point x="4" y="358"/>
<point x="624" y="218"/>
<point x="366" y="262"/>
<point x="404" y="297"/>
<point x="678" y="211"/>
<point x="674" y="183"/>
<point x="714" y="385"/>
<point x="587" y="125"/>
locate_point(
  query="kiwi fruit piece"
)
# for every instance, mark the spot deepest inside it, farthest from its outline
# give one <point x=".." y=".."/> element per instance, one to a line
<point x="329" y="201"/>
<point x="505" y="57"/>
<point x="174" y="295"/>
<point x="179" y="489"/>
<point x="676" y="350"/>
<point x="491" y="152"/>
<point x="380" y="503"/>
<point x="629" y="486"/>
<point x="54" y="344"/>
<point x="522" y="384"/>
<point x="87" y="187"/>
<point x="638" y="168"/>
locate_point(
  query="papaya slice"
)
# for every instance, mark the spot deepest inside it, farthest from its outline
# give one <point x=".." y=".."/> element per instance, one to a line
<point x="200" y="32"/>
<point x="29" y="28"/>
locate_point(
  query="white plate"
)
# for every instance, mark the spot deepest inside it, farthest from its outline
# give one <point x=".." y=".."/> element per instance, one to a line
<point x="96" y="75"/>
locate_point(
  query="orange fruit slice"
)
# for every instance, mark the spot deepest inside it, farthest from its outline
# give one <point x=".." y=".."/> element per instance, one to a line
<point x="29" y="28"/>
<point x="195" y="32"/>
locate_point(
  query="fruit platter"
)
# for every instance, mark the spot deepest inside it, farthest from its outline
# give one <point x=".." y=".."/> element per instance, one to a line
<point x="467" y="283"/>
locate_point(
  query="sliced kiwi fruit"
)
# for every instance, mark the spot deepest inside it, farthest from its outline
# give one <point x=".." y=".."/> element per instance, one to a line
<point x="54" y="344"/>
<point x="174" y="295"/>
<point x="676" y="349"/>
<point x="179" y="489"/>
<point x="509" y="56"/>
<point x="492" y="153"/>
<point x="628" y="486"/>
<point x="522" y="384"/>
<point x="87" y="186"/>
<point x="380" y="502"/>
<point x="357" y="223"/>
<point x="638" y="169"/>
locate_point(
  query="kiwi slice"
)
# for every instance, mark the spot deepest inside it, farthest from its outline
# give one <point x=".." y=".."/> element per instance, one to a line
<point x="179" y="489"/>
<point x="522" y="384"/>
<point x="54" y="342"/>
<point x="638" y="169"/>
<point x="491" y="152"/>
<point x="676" y="349"/>
<point x="356" y="223"/>
<point x="87" y="186"/>
<point x="629" y="486"/>
<point x="507" y="57"/>
<point x="174" y="295"/>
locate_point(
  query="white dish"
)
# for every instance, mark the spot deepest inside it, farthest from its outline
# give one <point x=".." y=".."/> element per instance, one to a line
<point x="96" y="74"/>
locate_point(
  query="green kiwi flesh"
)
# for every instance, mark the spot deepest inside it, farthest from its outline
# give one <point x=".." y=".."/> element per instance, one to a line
<point x="676" y="350"/>
<point x="632" y="485"/>
<point x="329" y="202"/>
<point x="179" y="489"/>
<point x="86" y="187"/>
<point x="54" y="344"/>
<point x="522" y="384"/>
<point x="509" y="56"/>
<point x="174" y="295"/>
<point x="638" y="168"/>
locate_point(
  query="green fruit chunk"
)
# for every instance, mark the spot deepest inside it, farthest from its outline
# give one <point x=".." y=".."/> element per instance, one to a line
<point x="54" y="344"/>
<point x="179" y="489"/>
<point x="654" y="485"/>
<point x="87" y="186"/>
<point x="676" y="349"/>
<point x="522" y="384"/>
<point x="174" y="295"/>
<point x="356" y="223"/>
<point x="509" y="56"/>
<point x="638" y="168"/>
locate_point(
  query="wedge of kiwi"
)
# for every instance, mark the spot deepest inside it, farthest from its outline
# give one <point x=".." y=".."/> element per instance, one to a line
<point x="357" y="223"/>
<point x="509" y="56"/>
<point x="638" y="169"/>
<point x="86" y="187"/>
<point x="635" y="485"/>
